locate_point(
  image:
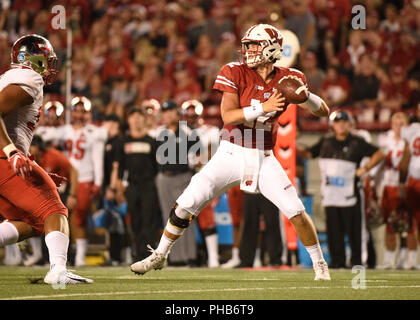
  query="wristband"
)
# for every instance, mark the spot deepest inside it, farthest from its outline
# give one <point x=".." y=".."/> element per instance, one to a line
<point x="253" y="112"/>
<point x="9" y="149"/>
<point x="314" y="102"/>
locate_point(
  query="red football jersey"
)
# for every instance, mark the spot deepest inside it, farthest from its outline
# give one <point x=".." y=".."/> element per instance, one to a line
<point x="238" y="78"/>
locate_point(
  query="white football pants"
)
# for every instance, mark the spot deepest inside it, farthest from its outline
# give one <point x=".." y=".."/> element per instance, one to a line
<point x="225" y="170"/>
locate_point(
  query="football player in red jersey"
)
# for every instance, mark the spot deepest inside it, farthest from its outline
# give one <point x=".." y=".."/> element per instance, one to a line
<point x="250" y="107"/>
<point x="28" y="196"/>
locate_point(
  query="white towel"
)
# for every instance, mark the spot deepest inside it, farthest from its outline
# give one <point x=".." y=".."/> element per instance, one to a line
<point x="251" y="169"/>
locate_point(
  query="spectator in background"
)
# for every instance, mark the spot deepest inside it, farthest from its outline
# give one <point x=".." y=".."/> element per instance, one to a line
<point x="365" y="84"/>
<point x="136" y="180"/>
<point x="117" y="64"/>
<point x="99" y="96"/>
<point x="154" y="85"/>
<point x="405" y="52"/>
<point x="182" y="57"/>
<point x="196" y="27"/>
<point x="186" y="86"/>
<point x="123" y="93"/>
<point x="335" y="87"/>
<point x="395" y="93"/>
<point x="203" y="55"/>
<point x="301" y="21"/>
<point x="391" y="24"/>
<point x="219" y="23"/>
<point x="349" y="57"/>
<point x="314" y="75"/>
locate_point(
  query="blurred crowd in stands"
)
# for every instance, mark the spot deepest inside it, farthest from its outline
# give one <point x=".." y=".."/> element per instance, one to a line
<point x="128" y="54"/>
<point x="126" y="51"/>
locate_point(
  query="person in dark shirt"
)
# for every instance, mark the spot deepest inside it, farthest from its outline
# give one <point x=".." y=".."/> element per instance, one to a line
<point x="340" y="155"/>
<point x="136" y="176"/>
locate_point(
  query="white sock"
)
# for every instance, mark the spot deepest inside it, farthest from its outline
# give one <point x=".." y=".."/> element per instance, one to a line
<point x="36" y="246"/>
<point x="389" y="257"/>
<point x="315" y="252"/>
<point x="235" y="253"/>
<point x="212" y="247"/>
<point x="412" y="257"/>
<point x="165" y="245"/>
<point x="8" y="234"/>
<point x="57" y="244"/>
<point x="81" y="248"/>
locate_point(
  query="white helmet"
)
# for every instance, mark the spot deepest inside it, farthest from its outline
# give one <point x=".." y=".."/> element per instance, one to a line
<point x="270" y="40"/>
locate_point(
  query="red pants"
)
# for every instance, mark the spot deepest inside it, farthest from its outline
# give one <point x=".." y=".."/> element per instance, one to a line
<point x="84" y="202"/>
<point x="413" y="197"/>
<point x="206" y="218"/>
<point x="235" y="200"/>
<point x="390" y="202"/>
<point x="29" y="200"/>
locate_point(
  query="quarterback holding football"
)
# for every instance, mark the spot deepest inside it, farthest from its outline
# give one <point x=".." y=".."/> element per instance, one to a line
<point x="255" y="93"/>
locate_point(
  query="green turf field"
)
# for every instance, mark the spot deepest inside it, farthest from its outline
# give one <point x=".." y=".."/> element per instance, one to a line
<point x="199" y="283"/>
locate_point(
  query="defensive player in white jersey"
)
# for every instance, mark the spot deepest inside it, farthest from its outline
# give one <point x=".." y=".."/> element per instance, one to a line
<point x="84" y="145"/>
<point x="250" y="109"/>
<point x="29" y="201"/>
<point x="191" y="111"/>
<point x="410" y="168"/>
<point x="393" y="147"/>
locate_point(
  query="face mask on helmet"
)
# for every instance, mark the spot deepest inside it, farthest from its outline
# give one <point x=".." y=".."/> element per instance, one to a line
<point x="37" y="53"/>
<point x="261" y="44"/>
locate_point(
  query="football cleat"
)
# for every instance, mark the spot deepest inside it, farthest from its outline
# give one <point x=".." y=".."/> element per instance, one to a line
<point x="232" y="263"/>
<point x="64" y="276"/>
<point x="321" y="271"/>
<point x="155" y="261"/>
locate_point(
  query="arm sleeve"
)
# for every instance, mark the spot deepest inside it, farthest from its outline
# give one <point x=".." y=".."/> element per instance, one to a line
<point x="226" y="80"/>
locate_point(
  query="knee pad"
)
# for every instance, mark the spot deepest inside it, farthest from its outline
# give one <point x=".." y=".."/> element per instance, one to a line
<point x="177" y="221"/>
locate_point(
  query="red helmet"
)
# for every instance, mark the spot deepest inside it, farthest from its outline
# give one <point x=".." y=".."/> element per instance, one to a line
<point x="35" y="52"/>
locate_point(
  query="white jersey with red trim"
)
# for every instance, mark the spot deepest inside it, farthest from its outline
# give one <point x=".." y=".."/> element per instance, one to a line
<point x="47" y="133"/>
<point x="85" y="149"/>
<point x="21" y="123"/>
<point x="393" y="149"/>
<point x="411" y="134"/>
<point x="251" y="89"/>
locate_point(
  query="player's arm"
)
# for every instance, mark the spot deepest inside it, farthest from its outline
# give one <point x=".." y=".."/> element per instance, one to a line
<point x="98" y="153"/>
<point x="316" y="105"/>
<point x="405" y="161"/>
<point x="232" y="113"/>
<point x="12" y="98"/>
<point x="373" y="161"/>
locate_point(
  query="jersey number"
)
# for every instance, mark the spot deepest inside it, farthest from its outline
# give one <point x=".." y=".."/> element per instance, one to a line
<point x="416" y="147"/>
<point x="79" y="152"/>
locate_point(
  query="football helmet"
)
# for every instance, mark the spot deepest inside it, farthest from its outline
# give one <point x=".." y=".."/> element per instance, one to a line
<point x="57" y="106"/>
<point x="35" y="52"/>
<point x="85" y="102"/>
<point x="270" y="40"/>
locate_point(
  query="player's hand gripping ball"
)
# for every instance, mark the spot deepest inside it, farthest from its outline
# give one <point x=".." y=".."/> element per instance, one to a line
<point x="293" y="89"/>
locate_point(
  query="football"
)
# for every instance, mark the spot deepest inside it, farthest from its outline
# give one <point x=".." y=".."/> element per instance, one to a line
<point x="293" y="89"/>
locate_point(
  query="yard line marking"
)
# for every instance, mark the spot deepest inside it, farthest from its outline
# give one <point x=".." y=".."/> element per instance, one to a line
<point x="190" y="291"/>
